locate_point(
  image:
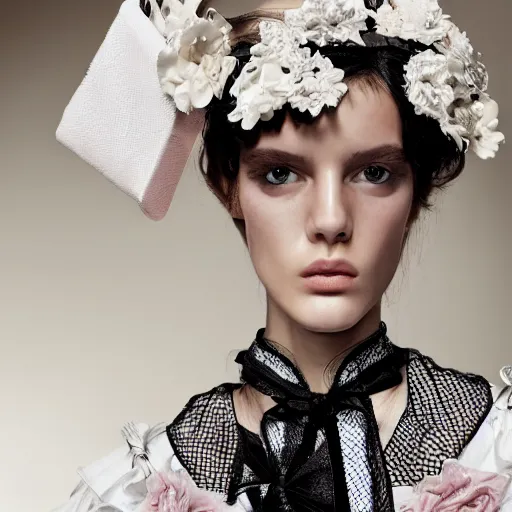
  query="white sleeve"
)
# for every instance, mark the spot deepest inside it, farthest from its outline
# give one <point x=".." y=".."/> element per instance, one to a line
<point x="117" y="482"/>
<point x="491" y="448"/>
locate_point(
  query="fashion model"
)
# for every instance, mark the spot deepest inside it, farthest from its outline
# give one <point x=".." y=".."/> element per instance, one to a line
<point x="327" y="126"/>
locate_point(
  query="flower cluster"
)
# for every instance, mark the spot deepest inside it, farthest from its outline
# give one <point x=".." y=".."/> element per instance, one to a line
<point x="280" y="71"/>
<point x="459" y="488"/>
<point x="445" y="81"/>
<point x="419" y="20"/>
<point x="177" y="492"/>
<point x="195" y="65"/>
<point x="323" y="22"/>
<point x="450" y="87"/>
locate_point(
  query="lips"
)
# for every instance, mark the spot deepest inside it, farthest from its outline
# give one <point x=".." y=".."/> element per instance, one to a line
<point x="330" y="268"/>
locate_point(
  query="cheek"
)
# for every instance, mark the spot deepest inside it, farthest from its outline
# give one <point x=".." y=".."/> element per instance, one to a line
<point x="261" y="228"/>
<point x="385" y="232"/>
<point x="272" y="230"/>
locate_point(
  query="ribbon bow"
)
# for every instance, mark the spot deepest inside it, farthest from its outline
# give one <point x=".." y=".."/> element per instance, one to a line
<point x="322" y="452"/>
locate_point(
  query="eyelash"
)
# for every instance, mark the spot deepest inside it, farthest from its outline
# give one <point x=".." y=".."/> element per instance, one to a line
<point x="264" y="174"/>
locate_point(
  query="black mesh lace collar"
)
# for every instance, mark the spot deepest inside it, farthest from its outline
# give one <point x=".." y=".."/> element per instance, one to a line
<point x="445" y="410"/>
<point x="322" y="451"/>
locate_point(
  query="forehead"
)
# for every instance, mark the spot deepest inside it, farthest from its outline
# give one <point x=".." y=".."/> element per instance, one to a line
<point x="367" y="117"/>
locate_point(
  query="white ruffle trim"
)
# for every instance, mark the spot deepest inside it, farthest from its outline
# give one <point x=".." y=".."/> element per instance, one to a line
<point x="117" y="482"/>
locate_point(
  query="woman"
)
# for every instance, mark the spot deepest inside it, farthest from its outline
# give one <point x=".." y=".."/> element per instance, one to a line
<point x="328" y="128"/>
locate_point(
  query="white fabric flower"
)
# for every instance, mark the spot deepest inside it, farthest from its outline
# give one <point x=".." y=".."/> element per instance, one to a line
<point x="176" y="15"/>
<point x="261" y="89"/>
<point x="326" y="21"/>
<point x="418" y="20"/>
<point x="448" y="84"/>
<point x="281" y="71"/>
<point x="195" y="65"/>
<point x="427" y="87"/>
<point x="322" y="85"/>
<point x="474" y="113"/>
<point x="426" y="75"/>
<point x="169" y="8"/>
<point x="462" y="64"/>
<point x="434" y="90"/>
<point x="267" y="80"/>
<point x="485" y="138"/>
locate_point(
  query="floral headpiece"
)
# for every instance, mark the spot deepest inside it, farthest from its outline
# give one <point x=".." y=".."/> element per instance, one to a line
<point x="443" y="78"/>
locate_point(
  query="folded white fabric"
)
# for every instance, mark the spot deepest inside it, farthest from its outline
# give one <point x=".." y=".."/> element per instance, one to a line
<point x="120" y="121"/>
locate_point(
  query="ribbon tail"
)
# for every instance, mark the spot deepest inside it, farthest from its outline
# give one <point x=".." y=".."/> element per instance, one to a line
<point x="341" y="498"/>
<point x="381" y="481"/>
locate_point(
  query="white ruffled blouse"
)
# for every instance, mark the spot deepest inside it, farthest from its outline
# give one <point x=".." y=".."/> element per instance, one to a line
<point x="117" y="482"/>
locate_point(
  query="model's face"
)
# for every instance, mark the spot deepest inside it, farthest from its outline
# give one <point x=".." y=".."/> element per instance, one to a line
<point x="300" y="188"/>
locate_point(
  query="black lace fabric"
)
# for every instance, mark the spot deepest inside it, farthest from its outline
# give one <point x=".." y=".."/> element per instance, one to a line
<point x="340" y="424"/>
<point x="444" y="411"/>
<point x="205" y="438"/>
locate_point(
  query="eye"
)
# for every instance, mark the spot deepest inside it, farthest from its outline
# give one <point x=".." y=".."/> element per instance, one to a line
<point x="376" y="174"/>
<point x="279" y="176"/>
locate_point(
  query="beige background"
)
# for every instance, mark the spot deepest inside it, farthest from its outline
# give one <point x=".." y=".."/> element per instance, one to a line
<point x="107" y="316"/>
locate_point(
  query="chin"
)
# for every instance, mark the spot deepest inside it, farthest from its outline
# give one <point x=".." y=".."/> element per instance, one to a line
<point x="327" y="314"/>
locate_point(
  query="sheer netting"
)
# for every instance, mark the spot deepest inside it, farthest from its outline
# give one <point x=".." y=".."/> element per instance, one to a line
<point x="323" y="451"/>
<point x="205" y="438"/>
<point x="445" y="410"/>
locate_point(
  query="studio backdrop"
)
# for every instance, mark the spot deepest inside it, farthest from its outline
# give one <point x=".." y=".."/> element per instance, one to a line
<point x="106" y="316"/>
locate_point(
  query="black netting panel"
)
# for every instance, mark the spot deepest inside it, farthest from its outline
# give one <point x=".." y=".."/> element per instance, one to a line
<point x="205" y="438"/>
<point x="445" y="409"/>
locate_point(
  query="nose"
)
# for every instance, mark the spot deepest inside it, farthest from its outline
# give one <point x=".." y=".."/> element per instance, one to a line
<point x="330" y="218"/>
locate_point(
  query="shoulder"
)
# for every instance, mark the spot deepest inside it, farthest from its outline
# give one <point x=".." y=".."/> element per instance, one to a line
<point x="204" y="437"/>
<point x="117" y="481"/>
<point x="443" y="396"/>
<point x="491" y="447"/>
<point x="215" y="405"/>
<point x="464" y="384"/>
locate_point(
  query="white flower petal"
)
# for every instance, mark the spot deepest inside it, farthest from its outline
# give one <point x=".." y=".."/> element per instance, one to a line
<point x="182" y="97"/>
<point x="487" y="145"/>
<point x="281" y="71"/>
<point x="418" y="20"/>
<point x="470" y="74"/>
<point x="490" y="113"/>
<point x="326" y="21"/>
<point x="195" y="65"/>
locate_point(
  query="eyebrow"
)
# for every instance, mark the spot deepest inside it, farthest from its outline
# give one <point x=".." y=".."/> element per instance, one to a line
<point x="386" y="153"/>
<point x="258" y="156"/>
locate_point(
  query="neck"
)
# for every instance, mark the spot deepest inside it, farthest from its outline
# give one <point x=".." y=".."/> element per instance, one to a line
<point x="315" y="352"/>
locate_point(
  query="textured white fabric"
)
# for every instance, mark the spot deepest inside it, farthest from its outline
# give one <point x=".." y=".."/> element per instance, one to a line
<point x="491" y="448"/>
<point x="121" y="122"/>
<point x="116" y="483"/>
